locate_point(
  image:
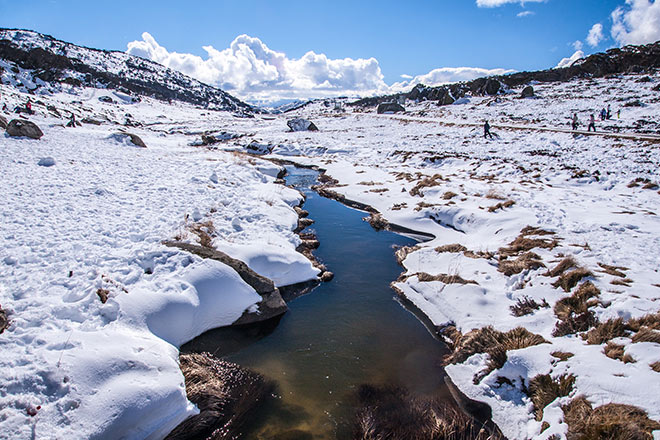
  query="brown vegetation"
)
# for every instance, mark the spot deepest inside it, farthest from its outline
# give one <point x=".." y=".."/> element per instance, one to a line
<point x="443" y="278"/>
<point x="562" y="355"/>
<point x="404" y="251"/>
<point x="392" y="413"/>
<point x="613" y="270"/>
<point x="455" y="248"/>
<point x="563" y="266"/>
<point x="616" y="351"/>
<point x="526" y="261"/>
<point x="377" y="221"/>
<point x="527" y="306"/>
<point x="611" y="421"/>
<point x="4" y="321"/>
<point x="568" y="280"/>
<point x="204" y="231"/>
<point x="573" y="311"/>
<point x="543" y="390"/>
<point x="655" y="366"/>
<point x="646" y="334"/>
<point x="501" y="205"/>
<point x="523" y="244"/>
<point x="644" y="329"/>
<point x="449" y="195"/>
<point x="427" y="182"/>
<point x="606" y="331"/>
<point x="103" y="294"/>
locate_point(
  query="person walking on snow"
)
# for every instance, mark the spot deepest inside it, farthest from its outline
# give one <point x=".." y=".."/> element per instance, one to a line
<point x="575" y="121"/>
<point x="592" y="123"/>
<point x="28" y="106"/>
<point x="608" y="115"/>
<point x="487" y="130"/>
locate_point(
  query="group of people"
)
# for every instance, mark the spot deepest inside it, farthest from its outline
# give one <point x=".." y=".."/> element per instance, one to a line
<point x="604" y="115"/>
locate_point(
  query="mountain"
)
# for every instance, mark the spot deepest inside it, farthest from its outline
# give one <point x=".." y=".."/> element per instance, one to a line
<point x="54" y="61"/>
<point x="628" y="59"/>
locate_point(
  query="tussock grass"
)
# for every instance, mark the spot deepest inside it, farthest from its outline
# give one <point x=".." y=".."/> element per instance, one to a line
<point x="422" y="205"/>
<point x="611" y="421"/>
<point x="449" y="195"/>
<point x="393" y="413"/>
<point x="377" y="221"/>
<point x="533" y="230"/>
<point x="563" y="266"/>
<point x="616" y="351"/>
<point x="527" y="306"/>
<point x="526" y="261"/>
<point x="655" y="366"/>
<point x="501" y="205"/>
<point x="524" y="244"/>
<point x="646" y="334"/>
<point x="568" y="280"/>
<point x="444" y="278"/>
<point x="494" y="343"/>
<point x="626" y="282"/>
<point x="543" y="390"/>
<point x="427" y="182"/>
<point x="650" y="321"/>
<point x="573" y="311"/>
<point x="613" y="270"/>
<point x="404" y="251"/>
<point x="493" y="195"/>
<point x="562" y="355"/>
<point x="204" y="231"/>
<point x="606" y="331"/>
<point x="455" y="248"/>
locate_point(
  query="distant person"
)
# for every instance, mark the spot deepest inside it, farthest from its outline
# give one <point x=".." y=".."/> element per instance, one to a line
<point x="4" y="107"/>
<point x="618" y="114"/>
<point x="592" y="123"/>
<point x="575" y="121"/>
<point x="28" y="106"/>
<point x="609" y="112"/>
<point x="603" y="113"/>
<point x="487" y="132"/>
<point x="72" y="121"/>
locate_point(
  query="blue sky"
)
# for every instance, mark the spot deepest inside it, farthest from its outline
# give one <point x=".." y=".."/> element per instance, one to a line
<point x="406" y="38"/>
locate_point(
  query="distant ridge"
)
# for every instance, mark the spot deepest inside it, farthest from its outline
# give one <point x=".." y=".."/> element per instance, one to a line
<point x="629" y="59"/>
<point x="53" y="60"/>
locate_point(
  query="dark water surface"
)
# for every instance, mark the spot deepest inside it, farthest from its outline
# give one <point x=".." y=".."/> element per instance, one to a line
<point x="345" y="333"/>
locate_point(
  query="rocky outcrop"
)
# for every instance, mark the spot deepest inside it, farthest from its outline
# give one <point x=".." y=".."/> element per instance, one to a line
<point x="132" y="138"/>
<point x="23" y="128"/>
<point x="527" y="92"/>
<point x="3" y="122"/>
<point x="271" y="304"/>
<point x="389" y="107"/>
<point x="300" y="124"/>
<point x="225" y="393"/>
<point x="4" y="322"/>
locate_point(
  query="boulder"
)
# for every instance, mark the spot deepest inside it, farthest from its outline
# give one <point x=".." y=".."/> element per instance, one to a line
<point x="527" y="92"/>
<point x="390" y="107"/>
<point x="21" y="127"/>
<point x="3" y="122"/>
<point x="446" y="98"/>
<point x="106" y="99"/>
<point x="124" y="137"/>
<point x="492" y="87"/>
<point x="4" y="322"/>
<point x="300" y="124"/>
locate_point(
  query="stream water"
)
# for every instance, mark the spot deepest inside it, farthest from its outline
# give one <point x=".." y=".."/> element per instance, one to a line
<point x="345" y="333"/>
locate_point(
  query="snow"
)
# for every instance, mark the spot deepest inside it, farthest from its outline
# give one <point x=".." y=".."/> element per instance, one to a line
<point x="96" y="220"/>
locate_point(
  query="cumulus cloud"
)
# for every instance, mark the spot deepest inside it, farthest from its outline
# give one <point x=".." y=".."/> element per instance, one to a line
<point x="567" y="62"/>
<point x="595" y="35"/>
<point x="577" y="45"/>
<point x="447" y="75"/>
<point x="638" y="22"/>
<point x="524" y="14"/>
<point x="251" y="70"/>
<point x="496" y="3"/>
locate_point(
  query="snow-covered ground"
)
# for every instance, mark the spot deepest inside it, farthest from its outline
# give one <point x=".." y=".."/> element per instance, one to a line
<point x="96" y="219"/>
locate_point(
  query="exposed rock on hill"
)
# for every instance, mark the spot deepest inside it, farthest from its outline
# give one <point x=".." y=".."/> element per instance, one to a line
<point x="57" y="61"/>
<point x="21" y="127"/>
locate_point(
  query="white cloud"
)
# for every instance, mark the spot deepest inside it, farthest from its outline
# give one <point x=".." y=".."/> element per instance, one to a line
<point x="524" y="14"/>
<point x="595" y="35"/>
<point x="252" y="71"/>
<point x="638" y="22"/>
<point x="496" y="3"/>
<point x="577" y="45"/>
<point x="447" y="75"/>
<point x="567" y="62"/>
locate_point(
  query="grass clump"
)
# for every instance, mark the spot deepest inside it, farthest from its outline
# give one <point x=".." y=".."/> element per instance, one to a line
<point x="563" y="356"/>
<point x="524" y="244"/>
<point x="655" y="366"/>
<point x="443" y="278"/>
<point x="527" y="306"/>
<point x="646" y="334"/>
<point x="377" y="221"/>
<point x="526" y="261"/>
<point x="427" y="182"/>
<point x="454" y="248"/>
<point x="568" y="280"/>
<point x="616" y="351"/>
<point x="563" y="266"/>
<point x="613" y="270"/>
<point x="606" y="331"/>
<point x="494" y="343"/>
<point x="543" y="390"/>
<point x="501" y="205"/>
<point x="611" y="421"/>
<point x="449" y="195"/>
<point x="573" y="311"/>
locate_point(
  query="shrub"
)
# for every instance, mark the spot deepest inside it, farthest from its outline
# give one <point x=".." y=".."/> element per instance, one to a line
<point x="543" y="390"/>
<point x="526" y="306"/>
<point x="526" y="261"/>
<point x="563" y="266"/>
<point x="606" y="331"/>
<point x="616" y="351"/>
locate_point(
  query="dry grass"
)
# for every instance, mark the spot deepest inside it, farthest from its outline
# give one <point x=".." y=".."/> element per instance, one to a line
<point x="563" y="356"/>
<point x="533" y="230"/>
<point x="454" y="248"/>
<point x="543" y="390"/>
<point x="422" y="205"/>
<point x="563" y="266"/>
<point x="626" y="282"/>
<point x="526" y="261"/>
<point x="650" y="321"/>
<point x="399" y="206"/>
<point x="606" y="331"/>
<point x="204" y="231"/>
<point x="527" y="306"/>
<point x="494" y="343"/>
<point x="443" y="278"/>
<point x="449" y="195"/>
<point x="613" y="270"/>
<point x="404" y="251"/>
<point x="492" y="194"/>
<point x="616" y="351"/>
<point x="377" y="221"/>
<point x="573" y="312"/>
<point x="568" y="280"/>
<point x="655" y="366"/>
<point x="427" y="182"/>
<point x="646" y="334"/>
<point x="103" y="294"/>
<point x="392" y="413"/>
<point x="523" y="244"/>
<point x="611" y="421"/>
<point x="501" y="205"/>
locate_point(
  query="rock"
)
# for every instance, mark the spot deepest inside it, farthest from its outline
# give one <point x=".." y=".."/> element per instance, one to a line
<point x="300" y="124"/>
<point x="125" y="137"/>
<point x="90" y="121"/>
<point x="527" y="92"/>
<point x="106" y="99"/>
<point x="46" y="162"/>
<point x="3" y="122"/>
<point x="259" y="149"/>
<point x="389" y="107"/>
<point x="446" y="98"/>
<point x="327" y="276"/>
<point x="4" y="322"/>
<point x="21" y="127"/>
<point x="492" y="87"/>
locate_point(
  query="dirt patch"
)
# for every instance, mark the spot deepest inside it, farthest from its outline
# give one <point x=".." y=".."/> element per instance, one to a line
<point x="225" y="393"/>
